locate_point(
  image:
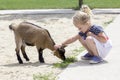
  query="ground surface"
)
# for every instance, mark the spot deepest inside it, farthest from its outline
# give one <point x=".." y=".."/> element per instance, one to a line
<point x="60" y="27"/>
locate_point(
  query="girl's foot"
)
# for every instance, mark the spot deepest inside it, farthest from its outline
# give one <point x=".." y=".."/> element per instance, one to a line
<point x="87" y="56"/>
<point x="95" y="60"/>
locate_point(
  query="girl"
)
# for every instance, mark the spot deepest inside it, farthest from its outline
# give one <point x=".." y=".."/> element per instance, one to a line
<point x="92" y="37"/>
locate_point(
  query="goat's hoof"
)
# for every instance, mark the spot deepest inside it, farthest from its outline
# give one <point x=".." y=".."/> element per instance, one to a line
<point x="42" y="61"/>
<point x="21" y="62"/>
<point x="27" y="59"/>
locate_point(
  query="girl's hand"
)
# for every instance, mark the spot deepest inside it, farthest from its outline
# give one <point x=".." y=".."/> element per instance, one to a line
<point x="57" y="46"/>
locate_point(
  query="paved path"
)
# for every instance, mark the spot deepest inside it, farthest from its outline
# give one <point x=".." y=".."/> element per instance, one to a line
<point x="38" y="11"/>
<point x="57" y="11"/>
<point x="106" y="11"/>
<point x="108" y="70"/>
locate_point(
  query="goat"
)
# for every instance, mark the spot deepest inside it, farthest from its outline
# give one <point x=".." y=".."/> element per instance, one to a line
<point x="27" y="33"/>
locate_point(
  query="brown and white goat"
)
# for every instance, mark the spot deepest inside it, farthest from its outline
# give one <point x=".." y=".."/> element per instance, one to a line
<point x="33" y="35"/>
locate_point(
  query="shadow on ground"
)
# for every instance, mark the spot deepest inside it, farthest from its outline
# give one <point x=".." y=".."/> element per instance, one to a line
<point x="86" y="63"/>
<point x="35" y="64"/>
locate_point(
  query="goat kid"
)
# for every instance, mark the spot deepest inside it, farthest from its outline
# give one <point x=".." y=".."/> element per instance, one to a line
<point x="33" y="35"/>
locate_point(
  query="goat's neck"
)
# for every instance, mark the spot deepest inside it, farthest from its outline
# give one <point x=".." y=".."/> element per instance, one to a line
<point x="50" y="45"/>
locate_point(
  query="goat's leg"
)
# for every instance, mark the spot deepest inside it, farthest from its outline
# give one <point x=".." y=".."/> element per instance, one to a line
<point x="18" y="57"/>
<point x="24" y="53"/>
<point x="41" y="59"/>
<point x="18" y="46"/>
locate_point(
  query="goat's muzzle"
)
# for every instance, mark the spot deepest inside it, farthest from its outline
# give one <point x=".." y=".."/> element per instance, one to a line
<point x="60" y="53"/>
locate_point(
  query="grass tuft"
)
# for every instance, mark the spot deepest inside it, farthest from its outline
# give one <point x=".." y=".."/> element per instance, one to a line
<point x="70" y="59"/>
<point x="65" y="63"/>
<point x="40" y="76"/>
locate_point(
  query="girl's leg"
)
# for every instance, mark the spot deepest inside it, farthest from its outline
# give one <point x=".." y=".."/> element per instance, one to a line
<point x="83" y="42"/>
<point x="91" y="46"/>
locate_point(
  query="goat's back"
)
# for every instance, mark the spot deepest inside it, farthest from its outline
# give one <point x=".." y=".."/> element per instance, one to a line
<point x="31" y="34"/>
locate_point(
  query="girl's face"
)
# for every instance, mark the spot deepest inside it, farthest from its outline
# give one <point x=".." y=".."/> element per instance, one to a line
<point x="81" y="27"/>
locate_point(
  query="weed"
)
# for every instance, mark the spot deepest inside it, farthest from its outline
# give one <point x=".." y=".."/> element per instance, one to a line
<point x="65" y="63"/>
<point x="40" y="76"/>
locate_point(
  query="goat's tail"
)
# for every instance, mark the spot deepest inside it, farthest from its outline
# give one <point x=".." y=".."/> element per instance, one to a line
<point x="12" y="26"/>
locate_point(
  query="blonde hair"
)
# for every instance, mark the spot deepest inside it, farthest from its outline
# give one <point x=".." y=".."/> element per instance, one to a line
<point x="86" y="9"/>
<point x="81" y="17"/>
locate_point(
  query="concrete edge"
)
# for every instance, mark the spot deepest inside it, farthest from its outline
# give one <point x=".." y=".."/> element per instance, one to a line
<point x="37" y="11"/>
<point x="106" y="11"/>
<point x="57" y="11"/>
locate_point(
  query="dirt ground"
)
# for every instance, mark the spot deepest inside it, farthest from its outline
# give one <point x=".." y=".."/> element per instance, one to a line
<point x="60" y="27"/>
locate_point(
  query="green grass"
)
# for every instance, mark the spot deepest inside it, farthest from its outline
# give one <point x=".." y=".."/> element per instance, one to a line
<point x="59" y="4"/>
<point x="105" y="24"/>
<point x="70" y="59"/>
<point x="78" y="51"/>
<point x="103" y="3"/>
<point x="65" y="63"/>
<point x="48" y="76"/>
<point x="37" y="4"/>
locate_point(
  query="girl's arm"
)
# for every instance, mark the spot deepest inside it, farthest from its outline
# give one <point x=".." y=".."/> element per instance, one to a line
<point x="71" y="40"/>
<point x="101" y="36"/>
<point x="68" y="41"/>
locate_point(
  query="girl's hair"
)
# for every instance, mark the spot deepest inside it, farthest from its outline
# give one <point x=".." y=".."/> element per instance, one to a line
<point x="86" y="9"/>
<point x="81" y="17"/>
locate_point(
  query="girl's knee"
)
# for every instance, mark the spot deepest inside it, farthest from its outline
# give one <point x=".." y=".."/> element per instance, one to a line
<point x="89" y="39"/>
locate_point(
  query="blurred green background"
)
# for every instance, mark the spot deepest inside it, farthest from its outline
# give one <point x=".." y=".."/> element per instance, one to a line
<point x="56" y="4"/>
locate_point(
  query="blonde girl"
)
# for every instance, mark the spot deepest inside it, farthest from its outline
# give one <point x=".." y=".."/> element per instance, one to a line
<point x="92" y="37"/>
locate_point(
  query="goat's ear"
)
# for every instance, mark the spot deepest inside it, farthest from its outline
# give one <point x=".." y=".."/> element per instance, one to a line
<point x="62" y="48"/>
